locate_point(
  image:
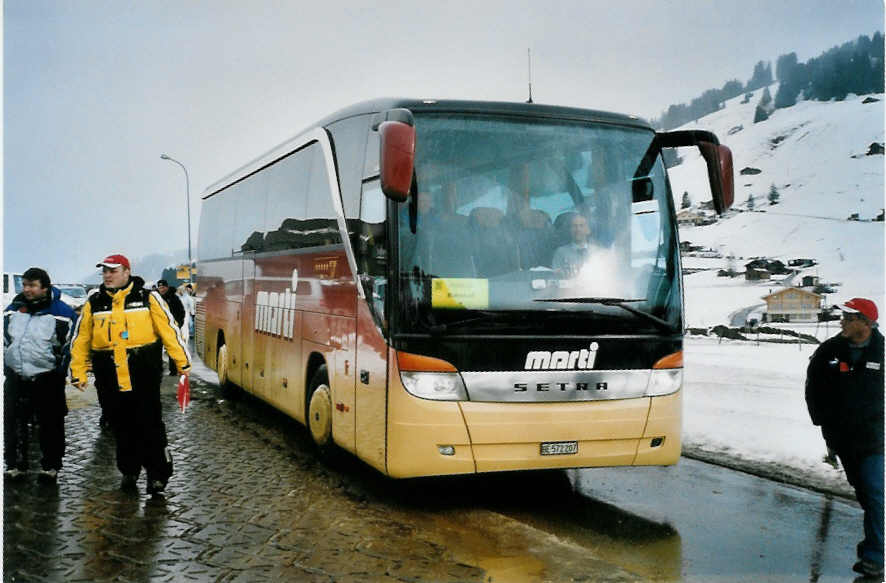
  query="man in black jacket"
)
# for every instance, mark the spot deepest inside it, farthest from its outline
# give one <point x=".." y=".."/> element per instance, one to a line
<point x="177" y="309"/>
<point x="844" y="394"/>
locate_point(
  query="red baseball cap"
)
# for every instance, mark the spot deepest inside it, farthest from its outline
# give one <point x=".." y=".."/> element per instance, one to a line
<point x="114" y="261"/>
<point x="862" y="306"/>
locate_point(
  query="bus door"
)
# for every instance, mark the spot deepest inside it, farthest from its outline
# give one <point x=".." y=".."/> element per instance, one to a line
<point x="372" y="351"/>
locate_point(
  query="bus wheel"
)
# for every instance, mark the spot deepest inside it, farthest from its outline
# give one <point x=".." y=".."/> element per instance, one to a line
<point x="320" y="411"/>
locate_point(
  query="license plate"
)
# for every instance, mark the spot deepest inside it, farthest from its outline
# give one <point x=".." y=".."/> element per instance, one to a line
<point x="559" y="447"/>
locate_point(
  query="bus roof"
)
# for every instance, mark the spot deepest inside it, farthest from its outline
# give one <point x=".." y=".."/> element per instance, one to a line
<point x="434" y="106"/>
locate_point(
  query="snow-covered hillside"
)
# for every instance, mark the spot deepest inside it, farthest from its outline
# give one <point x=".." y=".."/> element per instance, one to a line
<point x="815" y="155"/>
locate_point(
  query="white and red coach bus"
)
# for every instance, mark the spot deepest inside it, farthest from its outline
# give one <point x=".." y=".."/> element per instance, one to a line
<point x="450" y="287"/>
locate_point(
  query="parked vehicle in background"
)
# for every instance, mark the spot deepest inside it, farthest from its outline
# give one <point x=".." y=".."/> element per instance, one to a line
<point x="12" y="286"/>
<point x="389" y="279"/>
<point x="73" y="294"/>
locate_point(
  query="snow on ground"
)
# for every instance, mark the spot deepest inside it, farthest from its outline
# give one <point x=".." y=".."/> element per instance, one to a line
<point x="747" y="402"/>
<point x="744" y="401"/>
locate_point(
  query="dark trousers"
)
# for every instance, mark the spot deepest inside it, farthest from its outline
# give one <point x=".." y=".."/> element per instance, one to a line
<point x="865" y="474"/>
<point x="137" y="422"/>
<point x="43" y="396"/>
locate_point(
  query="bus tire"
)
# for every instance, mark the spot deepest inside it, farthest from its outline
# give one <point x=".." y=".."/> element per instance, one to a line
<point x="320" y="412"/>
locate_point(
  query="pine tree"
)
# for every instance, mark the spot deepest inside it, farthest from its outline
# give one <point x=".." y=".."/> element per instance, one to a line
<point x="764" y="108"/>
<point x="773" y="195"/>
<point x="750" y="202"/>
<point x="760" y="114"/>
<point x="791" y="76"/>
<point x="686" y="202"/>
<point x="762" y="76"/>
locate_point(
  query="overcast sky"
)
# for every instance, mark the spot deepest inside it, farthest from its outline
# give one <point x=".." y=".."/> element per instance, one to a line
<point x="95" y="91"/>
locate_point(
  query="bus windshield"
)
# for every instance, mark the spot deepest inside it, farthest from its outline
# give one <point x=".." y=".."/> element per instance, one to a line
<point x="516" y="221"/>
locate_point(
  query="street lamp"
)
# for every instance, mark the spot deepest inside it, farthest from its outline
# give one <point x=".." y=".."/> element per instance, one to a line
<point x="188" y="203"/>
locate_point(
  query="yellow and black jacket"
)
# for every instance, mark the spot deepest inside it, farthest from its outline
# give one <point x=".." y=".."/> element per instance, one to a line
<point x="123" y="333"/>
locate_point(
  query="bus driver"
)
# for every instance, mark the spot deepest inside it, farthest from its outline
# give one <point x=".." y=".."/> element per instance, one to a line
<point x="569" y="258"/>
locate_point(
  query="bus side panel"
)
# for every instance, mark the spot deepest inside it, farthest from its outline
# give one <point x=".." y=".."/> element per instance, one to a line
<point x="508" y="436"/>
<point x="285" y="371"/>
<point x="274" y="323"/>
<point x="665" y="420"/>
<point x="344" y="377"/>
<point x="220" y="285"/>
<point x="416" y="429"/>
<point x="251" y="347"/>
<point x="372" y="382"/>
<point x="328" y="334"/>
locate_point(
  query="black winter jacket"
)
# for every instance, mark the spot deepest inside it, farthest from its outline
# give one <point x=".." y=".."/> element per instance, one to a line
<point x="846" y="400"/>
<point x="175" y="306"/>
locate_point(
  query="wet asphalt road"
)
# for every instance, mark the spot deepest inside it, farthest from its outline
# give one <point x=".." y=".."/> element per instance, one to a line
<point x="250" y="502"/>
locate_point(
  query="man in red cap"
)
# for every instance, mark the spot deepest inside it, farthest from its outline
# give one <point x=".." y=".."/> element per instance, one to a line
<point x="844" y="394"/>
<point x="122" y="331"/>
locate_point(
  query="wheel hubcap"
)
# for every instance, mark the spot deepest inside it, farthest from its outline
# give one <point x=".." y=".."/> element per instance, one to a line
<point x="320" y="415"/>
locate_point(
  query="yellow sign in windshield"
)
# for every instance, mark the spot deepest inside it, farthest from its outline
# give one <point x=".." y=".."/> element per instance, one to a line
<point x="459" y="293"/>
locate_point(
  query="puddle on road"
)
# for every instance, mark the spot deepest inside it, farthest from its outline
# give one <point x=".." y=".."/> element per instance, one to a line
<point x="492" y="543"/>
<point x="648" y="548"/>
<point x="80" y="399"/>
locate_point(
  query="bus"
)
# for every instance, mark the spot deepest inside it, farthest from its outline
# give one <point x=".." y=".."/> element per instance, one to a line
<point x="12" y="286"/>
<point x="454" y="287"/>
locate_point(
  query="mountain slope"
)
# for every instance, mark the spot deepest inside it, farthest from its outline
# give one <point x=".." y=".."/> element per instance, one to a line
<point x="814" y="154"/>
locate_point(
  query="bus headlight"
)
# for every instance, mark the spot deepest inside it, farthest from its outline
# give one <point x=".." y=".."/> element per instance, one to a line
<point x="438" y="386"/>
<point x="664" y="382"/>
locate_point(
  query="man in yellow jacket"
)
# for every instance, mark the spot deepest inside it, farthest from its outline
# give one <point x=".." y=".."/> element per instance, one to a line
<point x="122" y="331"/>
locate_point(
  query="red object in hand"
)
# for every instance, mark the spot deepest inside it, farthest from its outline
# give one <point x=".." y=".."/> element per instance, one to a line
<point x="184" y="392"/>
<point x="844" y="367"/>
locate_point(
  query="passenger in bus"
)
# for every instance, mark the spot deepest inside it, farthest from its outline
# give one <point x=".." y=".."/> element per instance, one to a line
<point x="518" y="195"/>
<point x="122" y="331"/>
<point x="609" y="205"/>
<point x="495" y="249"/>
<point x="534" y="234"/>
<point x="439" y="208"/>
<point x="442" y="240"/>
<point x="569" y="258"/>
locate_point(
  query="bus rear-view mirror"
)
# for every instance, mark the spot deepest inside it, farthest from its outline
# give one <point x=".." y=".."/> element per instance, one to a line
<point x="396" y="158"/>
<point x="717" y="157"/>
<point x="641" y="189"/>
<point x="719" y="161"/>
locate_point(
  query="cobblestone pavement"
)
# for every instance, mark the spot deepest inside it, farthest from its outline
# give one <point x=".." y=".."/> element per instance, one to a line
<point x="249" y="501"/>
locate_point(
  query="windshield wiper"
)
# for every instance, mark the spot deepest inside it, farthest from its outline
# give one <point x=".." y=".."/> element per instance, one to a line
<point x="619" y="302"/>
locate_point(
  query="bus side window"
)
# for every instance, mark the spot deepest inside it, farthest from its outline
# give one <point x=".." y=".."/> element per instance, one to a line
<point x="372" y="249"/>
<point x="319" y="211"/>
<point x="249" y="217"/>
<point x="349" y="137"/>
